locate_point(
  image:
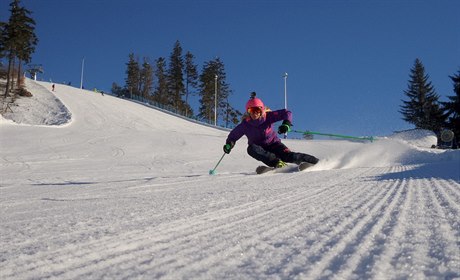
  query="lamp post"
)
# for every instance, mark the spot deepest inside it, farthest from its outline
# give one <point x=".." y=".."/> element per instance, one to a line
<point x="215" y="100"/>
<point x="81" y="77"/>
<point x="285" y="96"/>
<point x="285" y="90"/>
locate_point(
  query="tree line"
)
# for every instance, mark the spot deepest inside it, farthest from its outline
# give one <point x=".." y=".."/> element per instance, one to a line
<point x="169" y="83"/>
<point x="423" y="107"/>
<point x="17" y="43"/>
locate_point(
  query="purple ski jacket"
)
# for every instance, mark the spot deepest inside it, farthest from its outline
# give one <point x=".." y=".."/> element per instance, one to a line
<point x="260" y="132"/>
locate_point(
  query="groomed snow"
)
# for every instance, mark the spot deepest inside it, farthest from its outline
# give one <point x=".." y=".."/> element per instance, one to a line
<point x="98" y="187"/>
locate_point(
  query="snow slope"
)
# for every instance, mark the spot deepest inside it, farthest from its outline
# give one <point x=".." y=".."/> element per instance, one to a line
<point x="97" y="187"/>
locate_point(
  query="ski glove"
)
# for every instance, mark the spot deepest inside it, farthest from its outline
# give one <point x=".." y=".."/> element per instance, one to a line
<point x="228" y="147"/>
<point x="285" y="127"/>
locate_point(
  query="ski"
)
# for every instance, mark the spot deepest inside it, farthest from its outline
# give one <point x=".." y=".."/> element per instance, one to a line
<point x="304" y="165"/>
<point x="263" y="169"/>
<point x="288" y="169"/>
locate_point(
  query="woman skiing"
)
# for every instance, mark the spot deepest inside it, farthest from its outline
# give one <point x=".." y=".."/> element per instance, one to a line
<point x="263" y="143"/>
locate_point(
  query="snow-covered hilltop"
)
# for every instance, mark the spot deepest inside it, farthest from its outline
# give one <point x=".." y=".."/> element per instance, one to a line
<point x="96" y="187"/>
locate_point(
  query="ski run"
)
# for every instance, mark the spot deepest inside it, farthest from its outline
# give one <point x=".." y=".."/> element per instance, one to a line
<point x="97" y="187"/>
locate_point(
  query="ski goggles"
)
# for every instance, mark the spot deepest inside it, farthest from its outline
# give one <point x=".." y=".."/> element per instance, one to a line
<point x="255" y="110"/>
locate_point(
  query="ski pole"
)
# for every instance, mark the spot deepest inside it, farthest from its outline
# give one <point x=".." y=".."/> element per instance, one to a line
<point x="213" y="171"/>
<point x="370" y="138"/>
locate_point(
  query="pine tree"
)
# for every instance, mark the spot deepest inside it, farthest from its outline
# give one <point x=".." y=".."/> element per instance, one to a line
<point x="28" y="39"/>
<point x="146" y="79"/>
<point x="191" y="79"/>
<point x="132" y="76"/>
<point x="213" y="73"/>
<point x="161" y="91"/>
<point x="118" y="90"/>
<point x="176" y="79"/>
<point x="422" y="109"/>
<point x="18" y="39"/>
<point x="231" y="116"/>
<point x="3" y="39"/>
<point x="452" y="108"/>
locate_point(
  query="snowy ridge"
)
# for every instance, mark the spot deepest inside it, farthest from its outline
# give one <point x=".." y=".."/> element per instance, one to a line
<point x="123" y="191"/>
<point x="43" y="108"/>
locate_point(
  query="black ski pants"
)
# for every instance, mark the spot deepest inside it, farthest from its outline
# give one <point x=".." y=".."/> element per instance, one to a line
<point x="271" y="154"/>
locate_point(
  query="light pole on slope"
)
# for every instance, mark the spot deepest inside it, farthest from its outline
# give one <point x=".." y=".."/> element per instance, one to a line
<point x="285" y="95"/>
<point x="215" y="100"/>
<point x="81" y="77"/>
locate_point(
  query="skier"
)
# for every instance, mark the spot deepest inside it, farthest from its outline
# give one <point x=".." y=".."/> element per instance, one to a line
<point x="263" y="143"/>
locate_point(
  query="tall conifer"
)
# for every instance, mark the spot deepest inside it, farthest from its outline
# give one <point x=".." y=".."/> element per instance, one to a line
<point x="452" y="108"/>
<point x="422" y="109"/>
<point x="132" y="75"/>
<point x="18" y="39"/>
<point x="211" y="69"/>
<point x="146" y="79"/>
<point x="176" y="78"/>
<point x="161" y="90"/>
<point x="191" y="78"/>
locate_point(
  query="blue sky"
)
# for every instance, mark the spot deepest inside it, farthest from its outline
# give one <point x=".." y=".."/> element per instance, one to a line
<point x="348" y="62"/>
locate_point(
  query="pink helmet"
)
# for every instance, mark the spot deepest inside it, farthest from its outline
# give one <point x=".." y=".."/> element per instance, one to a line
<point x="255" y="102"/>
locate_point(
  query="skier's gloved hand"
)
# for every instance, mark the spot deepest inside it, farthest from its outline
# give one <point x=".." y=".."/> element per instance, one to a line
<point x="228" y="147"/>
<point x="285" y="127"/>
